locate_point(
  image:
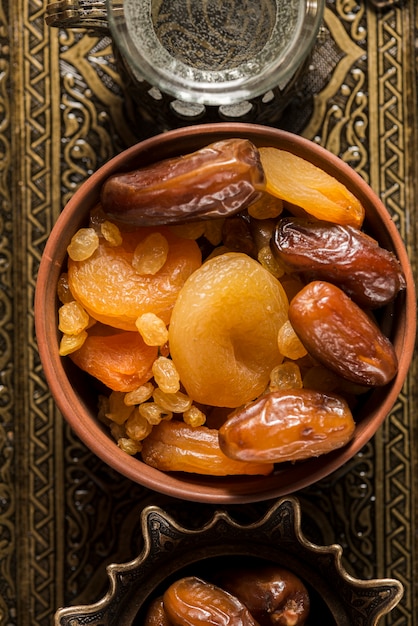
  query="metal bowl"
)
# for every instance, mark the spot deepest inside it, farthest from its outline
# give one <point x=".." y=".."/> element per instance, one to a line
<point x="171" y="551"/>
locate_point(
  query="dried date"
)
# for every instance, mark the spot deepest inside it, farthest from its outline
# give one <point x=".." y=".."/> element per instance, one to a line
<point x="191" y="601"/>
<point x="215" y="181"/>
<point x="343" y="255"/>
<point x="274" y="595"/>
<point x="341" y="336"/>
<point x="287" y="425"/>
<point x="174" y="446"/>
<point x="156" y="614"/>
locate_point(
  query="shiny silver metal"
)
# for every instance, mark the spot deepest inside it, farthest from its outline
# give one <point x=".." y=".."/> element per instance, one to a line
<point x="205" y="61"/>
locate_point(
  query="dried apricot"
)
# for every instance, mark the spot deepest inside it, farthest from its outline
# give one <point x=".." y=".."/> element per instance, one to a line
<point x="174" y="446"/>
<point x="120" y="359"/>
<point x="224" y="328"/>
<point x="302" y="183"/>
<point x="113" y="292"/>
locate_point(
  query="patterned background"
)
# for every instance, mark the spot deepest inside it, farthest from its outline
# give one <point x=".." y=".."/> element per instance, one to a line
<point x="63" y="112"/>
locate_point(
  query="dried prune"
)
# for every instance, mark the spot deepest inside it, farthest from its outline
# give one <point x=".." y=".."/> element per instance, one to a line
<point x="274" y="595"/>
<point x="215" y="181"/>
<point x="191" y="601"/>
<point x="341" y="336"/>
<point x="287" y="425"/>
<point x="174" y="446"/>
<point x="343" y="255"/>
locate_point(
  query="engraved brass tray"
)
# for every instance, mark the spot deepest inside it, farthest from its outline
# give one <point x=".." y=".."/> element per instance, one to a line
<point x="64" y="515"/>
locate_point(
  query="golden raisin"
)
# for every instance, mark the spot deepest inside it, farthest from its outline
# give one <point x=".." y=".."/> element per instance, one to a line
<point x="83" y="244"/>
<point x="287" y="375"/>
<point x="166" y="375"/>
<point x="72" y="318"/>
<point x="72" y="343"/>
<point x="111" y="233"/>
<point x="150" y="254"/>
<point x="137" y="426"/>
<point x="176" y="402"/>
<point x="152" y="329"/>
<point x="289" y="343"/>
<point x="139" y="395"/>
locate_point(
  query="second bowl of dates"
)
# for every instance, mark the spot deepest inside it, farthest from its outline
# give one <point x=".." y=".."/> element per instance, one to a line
<point x="231" y="570"/>
<point x="276" y="318"/>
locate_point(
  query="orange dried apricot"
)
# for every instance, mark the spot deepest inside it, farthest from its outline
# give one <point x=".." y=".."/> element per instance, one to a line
<point x="113" y="292"/>
<point x="302" y="183"/>
<point x="223" y="330"/>
<point x="119" y="359"/>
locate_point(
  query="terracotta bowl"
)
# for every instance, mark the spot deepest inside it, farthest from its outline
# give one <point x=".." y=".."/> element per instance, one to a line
<point x="171" y="551"/>
<point x="73" y="393"/>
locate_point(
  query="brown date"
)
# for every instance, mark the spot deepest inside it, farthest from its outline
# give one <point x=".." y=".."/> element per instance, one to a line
<point x="215" y="181"/>
<point x="274" y="595"/>
<point x="191" y="601"/>
<point x="341" y="336"/>
<point x="343" y="255"/>
<point x="174" y="446"/>
<point x="287" y="425"/>
<point x="236" y="236"/>
<point x="156" y="614"/>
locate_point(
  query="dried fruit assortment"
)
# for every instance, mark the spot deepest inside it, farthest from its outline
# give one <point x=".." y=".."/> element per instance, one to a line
<point x="265" y="595"/>
<point x="224" y="299"/>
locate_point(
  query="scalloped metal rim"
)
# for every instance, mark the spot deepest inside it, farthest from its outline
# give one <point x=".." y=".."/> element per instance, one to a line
<point x="168" y="547"/>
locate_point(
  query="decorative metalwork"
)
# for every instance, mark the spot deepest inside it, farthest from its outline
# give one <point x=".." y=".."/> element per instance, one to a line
<point x="170" y="550"/>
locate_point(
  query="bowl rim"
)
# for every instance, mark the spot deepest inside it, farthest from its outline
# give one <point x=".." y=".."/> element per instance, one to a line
<point x="230" y="489"/>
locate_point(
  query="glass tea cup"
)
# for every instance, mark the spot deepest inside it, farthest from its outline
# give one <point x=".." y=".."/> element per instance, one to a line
<point x="204" y="60"/>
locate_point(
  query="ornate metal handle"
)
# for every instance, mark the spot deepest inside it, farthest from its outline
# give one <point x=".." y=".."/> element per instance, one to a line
<point x="90" y="14"/>
<point x="383" y="4"/>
